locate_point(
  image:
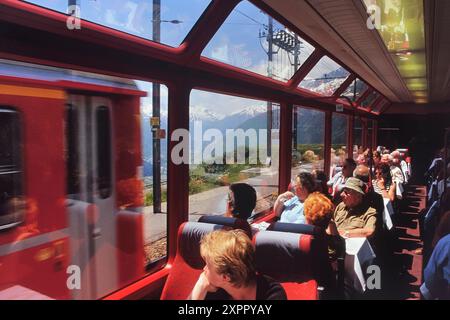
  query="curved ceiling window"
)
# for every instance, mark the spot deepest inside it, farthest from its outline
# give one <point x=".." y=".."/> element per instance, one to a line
<point x="355" y="90"/>
<point x="325" y="78"/>
<point x="252" y="40"/>
<point x="378" y="107"/>
<point x="164" y="21"/>
<point x="370" y="99"/>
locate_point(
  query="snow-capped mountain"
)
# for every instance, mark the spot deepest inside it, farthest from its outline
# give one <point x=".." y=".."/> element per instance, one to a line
<point x="200" y="113"/>
<point x="250" y="111"/>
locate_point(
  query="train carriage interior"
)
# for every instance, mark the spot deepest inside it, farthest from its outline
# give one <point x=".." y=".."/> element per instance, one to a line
<point x="224" y="149"/>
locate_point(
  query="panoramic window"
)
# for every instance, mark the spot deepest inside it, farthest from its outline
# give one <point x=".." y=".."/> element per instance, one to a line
<point x="164" y="21"/>
<point x="378" y="107"/>
<point x="339" y="150"/>
<point x="12" y="204"/>
<point x="233" y="140"/>
<point x="357" y="137"/>
<point x="370" y="99"/>
<point x="308" y="139"/>
<point x="370" y="134"/>
<point x="252" y="40"/>
<point x="355" y="90"/>
<point x="153" y="169"/>
<point x="325" y="78"/>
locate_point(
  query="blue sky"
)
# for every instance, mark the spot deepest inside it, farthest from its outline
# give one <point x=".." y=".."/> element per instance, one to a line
<point x="237" y="42"/>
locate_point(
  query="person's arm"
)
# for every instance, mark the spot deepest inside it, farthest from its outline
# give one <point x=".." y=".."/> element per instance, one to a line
<point x="392" y="191"/>
<point x="357" y="233"/>
<point x="279" y="203"/>
<point x="367" y="231"/>
<point x="434" y="283"/>
<point x="201" y="288"/>
<point x="332" y="229"/>
<point x="387" y="194"/>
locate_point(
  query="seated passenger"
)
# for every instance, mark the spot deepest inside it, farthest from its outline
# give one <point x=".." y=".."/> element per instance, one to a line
<point x="289" y="206"/>
<point x="230" y="273"/>
<point x="318" y="210"/>
<point x="354" y="217"/>
<point x="375" y="200"/>
<point x="376" y="157"/>
<point x="396" y="172"/>
<point x="437" y="272"/>
<point x="338" y="181"/>
<point x="383" y="184"/>
<point x="241" y="201"/>
<point x="321" y="182"/>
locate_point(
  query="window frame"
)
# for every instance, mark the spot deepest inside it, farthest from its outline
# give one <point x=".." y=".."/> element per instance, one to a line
<point x="14" y="219"/>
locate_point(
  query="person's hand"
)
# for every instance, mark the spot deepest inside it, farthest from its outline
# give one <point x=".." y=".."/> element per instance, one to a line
<point x="286" y="196"/>
<point x="201" y="288"/>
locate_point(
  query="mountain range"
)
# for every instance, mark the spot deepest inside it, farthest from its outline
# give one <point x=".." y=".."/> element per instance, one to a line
<point x="310" y="129"/>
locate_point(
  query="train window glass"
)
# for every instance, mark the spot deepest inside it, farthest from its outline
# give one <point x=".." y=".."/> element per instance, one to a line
<point x="377" y="108"/>
<point x="339" y="151"/>
<point x="325" y="78"/>
<point x="103" y="144"/>
<point x="250" y="39"/>
<point x="369" y="134"/>
<point x="12" y="205"/>
<point x="370" y="99"/>
<point x="167" y="22"/>
<point x="308" y="134"/>
<point x="117" y="183"/>
<point x="355" y="90"/>
<point x="60" y="6"/>
<point x="71" y="151"/>
<point x="232" y="140"/>
<point x="357" y="137"/>
<point x="153" y="170"/>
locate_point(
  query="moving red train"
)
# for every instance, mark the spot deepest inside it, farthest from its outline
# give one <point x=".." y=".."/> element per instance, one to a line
<point x="123" y="125"/>
<point x="70" y="169"/>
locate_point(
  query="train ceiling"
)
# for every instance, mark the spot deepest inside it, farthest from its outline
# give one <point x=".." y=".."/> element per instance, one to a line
<point x="410" y="67"/>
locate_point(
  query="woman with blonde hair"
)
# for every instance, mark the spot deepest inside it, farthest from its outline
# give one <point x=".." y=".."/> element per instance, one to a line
<point x="229" y="273"/>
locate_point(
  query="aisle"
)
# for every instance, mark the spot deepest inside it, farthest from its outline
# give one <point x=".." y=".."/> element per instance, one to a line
<point x="408" y="245"/>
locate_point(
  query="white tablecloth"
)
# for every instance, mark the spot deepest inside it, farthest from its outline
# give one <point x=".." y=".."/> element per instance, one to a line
<point x="387" y="213"/>
<point x="362" y="253"/>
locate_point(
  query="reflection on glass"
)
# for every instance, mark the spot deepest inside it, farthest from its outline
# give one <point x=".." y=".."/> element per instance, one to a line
<point x="401" y="26"/>
<point x="139" y="17"/>
<point x="377" y="108"/>
<point x="339" y="150"/>
<point x="308" y="140"/>
<point x="370" y="134"/>
<point x="355" y="90"/>
<point x="325" y="78"/>
<point x="88" y="200"/>
<point x="251" y="40"/>
<point x="11" y="194"/>
<point x="370" y="99"/>
<point x="357" y="137"/>
<point x="152" y="139"/>
<point x="231" y="141"/>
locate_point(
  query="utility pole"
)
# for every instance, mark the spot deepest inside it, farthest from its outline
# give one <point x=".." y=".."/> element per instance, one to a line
<point x="296" y="65"/>
<point x="269" y="73"/>
<point x="156" y="106"/>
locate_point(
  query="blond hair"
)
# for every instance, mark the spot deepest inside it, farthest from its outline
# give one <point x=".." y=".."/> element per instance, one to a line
<point x="318" y="209"/>
<point x="231" y="253"/>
